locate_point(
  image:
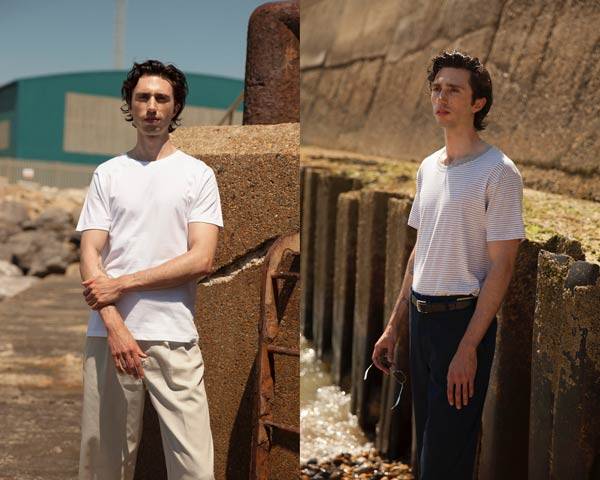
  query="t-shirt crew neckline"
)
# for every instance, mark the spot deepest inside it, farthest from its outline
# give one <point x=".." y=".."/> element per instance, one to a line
<point x="146" y="162"/>
<point x="459" y="163"/>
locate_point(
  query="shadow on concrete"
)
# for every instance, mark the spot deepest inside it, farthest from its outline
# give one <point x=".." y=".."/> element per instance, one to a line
<point x="238" y="460"/>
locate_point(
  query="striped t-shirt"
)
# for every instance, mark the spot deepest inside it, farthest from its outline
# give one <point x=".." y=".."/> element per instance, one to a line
<point x="456" y="210"/>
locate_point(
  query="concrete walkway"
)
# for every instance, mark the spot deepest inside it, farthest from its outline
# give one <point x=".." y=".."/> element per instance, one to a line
<point x="42" y="334"/>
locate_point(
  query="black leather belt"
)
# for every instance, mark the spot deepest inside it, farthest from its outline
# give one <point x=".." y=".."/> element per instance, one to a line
<point x="423" y="306"/>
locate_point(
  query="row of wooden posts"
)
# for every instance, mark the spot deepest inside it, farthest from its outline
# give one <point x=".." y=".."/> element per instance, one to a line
<point x="541" y="419"/>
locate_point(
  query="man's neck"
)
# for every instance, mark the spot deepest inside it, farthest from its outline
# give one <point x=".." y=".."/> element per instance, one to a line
<point x="152" y="148"/>
<point x="461" y="143"/>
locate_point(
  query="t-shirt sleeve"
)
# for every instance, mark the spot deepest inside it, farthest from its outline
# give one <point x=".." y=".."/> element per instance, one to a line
<point x="414" y="217"/>
<point x="504" y="217"/>
<point x="95" y="214"/>
<point x="206" y="202"/>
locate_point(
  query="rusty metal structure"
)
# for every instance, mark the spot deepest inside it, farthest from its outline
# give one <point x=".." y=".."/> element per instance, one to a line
<point x="276" y="435"/>
<point x="272" y="87"/>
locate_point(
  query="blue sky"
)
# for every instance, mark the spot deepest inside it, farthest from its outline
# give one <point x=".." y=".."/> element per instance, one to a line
<point x="40" y="37"/>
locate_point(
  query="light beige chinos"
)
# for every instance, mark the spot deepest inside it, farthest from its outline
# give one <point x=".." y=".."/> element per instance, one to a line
<point x="113" y="406"/>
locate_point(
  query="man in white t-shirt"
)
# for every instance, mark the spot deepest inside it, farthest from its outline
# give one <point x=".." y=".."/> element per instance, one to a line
<point x="467" y="212"/>
<point x="150" y="226"/>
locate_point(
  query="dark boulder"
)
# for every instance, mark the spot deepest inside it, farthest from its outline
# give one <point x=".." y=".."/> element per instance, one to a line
<point x="40" y="253"/>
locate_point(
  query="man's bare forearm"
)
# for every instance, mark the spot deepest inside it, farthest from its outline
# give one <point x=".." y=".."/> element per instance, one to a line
<point x="90" y="266"/>
<point x="400" y="311"/>
<point x="177" y="271"/>
<point x="490" y="298"/>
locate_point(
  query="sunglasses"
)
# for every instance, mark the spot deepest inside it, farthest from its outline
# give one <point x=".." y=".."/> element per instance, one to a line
<point x="398" y="375"/>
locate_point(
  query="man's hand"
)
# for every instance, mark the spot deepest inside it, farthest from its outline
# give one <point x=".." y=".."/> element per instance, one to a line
<point x="461" y="376"/>
<point x="384" y="348"/>
<point x="101" y="291"/>
<point x="125" y="351"/>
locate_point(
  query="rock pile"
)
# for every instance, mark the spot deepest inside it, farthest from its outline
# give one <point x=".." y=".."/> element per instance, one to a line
<point x="37" y="198"/>
<point x="368" y="465"/>
<point x="37" y="233"/>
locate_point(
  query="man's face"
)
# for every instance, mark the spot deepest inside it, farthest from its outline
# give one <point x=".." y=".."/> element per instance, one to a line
<point x="152" y="105"/>
<point x="451" y="96"/>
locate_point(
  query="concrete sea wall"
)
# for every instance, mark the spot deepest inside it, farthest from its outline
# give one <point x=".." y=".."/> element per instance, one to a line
<point x="364" y="89"/>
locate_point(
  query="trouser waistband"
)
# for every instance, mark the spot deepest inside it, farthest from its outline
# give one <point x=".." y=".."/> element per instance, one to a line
<point x="445" y="303"/>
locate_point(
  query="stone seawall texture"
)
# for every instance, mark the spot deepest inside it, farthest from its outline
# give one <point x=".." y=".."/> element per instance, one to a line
<point x="364" y="89"/>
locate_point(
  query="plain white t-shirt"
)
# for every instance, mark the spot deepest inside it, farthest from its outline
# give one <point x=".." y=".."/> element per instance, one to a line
<point x="146" y="207"/>
<point x="457" y="209"/>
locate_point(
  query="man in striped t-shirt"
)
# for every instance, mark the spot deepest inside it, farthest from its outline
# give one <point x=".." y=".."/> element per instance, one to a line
<point x="467" y="212"/>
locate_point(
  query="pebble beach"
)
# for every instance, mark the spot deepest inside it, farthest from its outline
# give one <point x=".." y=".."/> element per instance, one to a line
<point x="367" y="465"/>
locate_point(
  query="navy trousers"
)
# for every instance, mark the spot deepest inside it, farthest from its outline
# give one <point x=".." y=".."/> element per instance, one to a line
<point x="446" y="437"/>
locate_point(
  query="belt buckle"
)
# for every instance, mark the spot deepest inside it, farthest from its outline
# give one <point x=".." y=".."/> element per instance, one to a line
<point x="419" y="303"/>
<point x="463" y="299"/>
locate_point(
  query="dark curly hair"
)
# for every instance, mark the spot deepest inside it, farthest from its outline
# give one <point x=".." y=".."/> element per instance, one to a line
<point x="479" y="79"/>
<point x="154" y="67"/>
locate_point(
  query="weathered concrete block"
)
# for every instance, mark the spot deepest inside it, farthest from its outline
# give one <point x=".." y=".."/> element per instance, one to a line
<point x="307" y="245"/>
<point x="257" y="170"/>
<point x="344" y="288"/>
<point x="329" y="187"/>
<point x="549" y="315"/>
<point x="576" y="429"/>
<point x="272" y="90"/>
<point x="394" y="428"/>
<point x="506" y="411"/>
<point x="369" y="304"/>
<point x="229" y="315"/>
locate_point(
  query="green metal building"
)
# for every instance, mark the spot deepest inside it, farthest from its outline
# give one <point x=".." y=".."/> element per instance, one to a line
<point x="76" y="119"/>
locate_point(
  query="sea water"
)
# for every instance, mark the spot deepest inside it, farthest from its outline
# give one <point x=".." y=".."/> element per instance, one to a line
<point x="327" y="427"/>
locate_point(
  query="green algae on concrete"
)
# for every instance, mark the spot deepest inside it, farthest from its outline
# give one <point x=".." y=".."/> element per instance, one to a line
<point x="548" y="213"/>
<point x="375" y="173"/>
